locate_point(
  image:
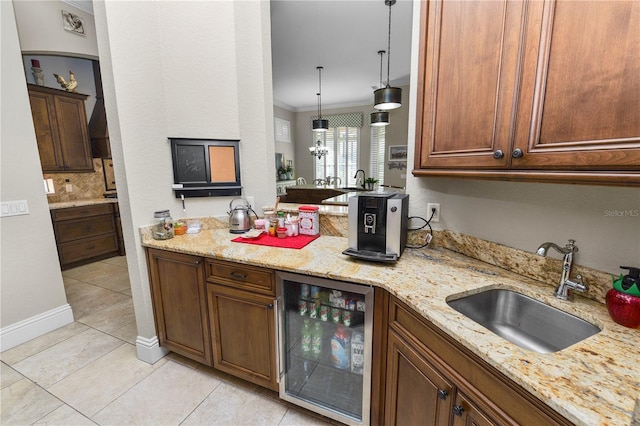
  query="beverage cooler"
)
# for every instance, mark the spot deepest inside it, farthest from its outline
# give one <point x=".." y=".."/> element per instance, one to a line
<point x="324" y="346"/>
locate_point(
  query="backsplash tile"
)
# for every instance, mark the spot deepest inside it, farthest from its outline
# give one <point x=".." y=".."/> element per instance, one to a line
<point x="85" y="185"/>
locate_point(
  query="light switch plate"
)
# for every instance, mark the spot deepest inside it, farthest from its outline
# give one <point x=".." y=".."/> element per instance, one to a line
<point x="14" y="208"/>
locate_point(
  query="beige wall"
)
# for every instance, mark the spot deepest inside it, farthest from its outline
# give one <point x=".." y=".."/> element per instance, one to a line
<point x="30" y="277"/>
<point x="200" y="71"/>
<point x="41" y="31"/>
<point x="524" y="215"/>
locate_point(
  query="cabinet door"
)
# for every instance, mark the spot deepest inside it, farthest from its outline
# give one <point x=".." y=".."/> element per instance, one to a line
<point x="580" y="102"/>
<point x="465" y="413"/>
<point x="416" y="394"/>
<point x="45" y="125"/>
<point x="467" y="83"/>
<point x="179" y="304"/>
<point x="244" y="331"/>
<point x="74" y="136"/>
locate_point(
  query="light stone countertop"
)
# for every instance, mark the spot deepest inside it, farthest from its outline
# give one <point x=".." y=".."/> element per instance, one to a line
<point x="79" y="203"/>
<point x="594" y="382"/>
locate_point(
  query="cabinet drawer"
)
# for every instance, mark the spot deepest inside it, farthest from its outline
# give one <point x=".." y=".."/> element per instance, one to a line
<point x="83" y="228"/>
<point x="87" y="248"/>
<point x="241" y="276"/>
<point x="81" y="212"/>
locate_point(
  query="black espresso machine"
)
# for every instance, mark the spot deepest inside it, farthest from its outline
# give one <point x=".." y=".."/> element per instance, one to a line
<point x="378" y="226"/>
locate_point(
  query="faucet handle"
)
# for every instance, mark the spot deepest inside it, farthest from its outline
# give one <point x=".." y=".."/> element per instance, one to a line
<point x="571" y="245"/>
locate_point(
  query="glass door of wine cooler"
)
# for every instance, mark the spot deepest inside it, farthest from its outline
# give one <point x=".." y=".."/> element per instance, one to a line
<point x="325" y="333"/>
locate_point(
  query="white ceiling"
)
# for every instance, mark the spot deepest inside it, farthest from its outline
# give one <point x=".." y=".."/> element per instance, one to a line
<point x="342" y="36"/>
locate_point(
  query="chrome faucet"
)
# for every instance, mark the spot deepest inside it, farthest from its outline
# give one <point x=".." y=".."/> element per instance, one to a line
<point x="363" y="177"/>
<point x="566" y="285"/>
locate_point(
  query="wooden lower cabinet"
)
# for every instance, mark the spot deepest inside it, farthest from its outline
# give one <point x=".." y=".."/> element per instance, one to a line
<point x="465" y="412"/>
<point x="243" y="326"/>
<point x="86" y="234"/>
<point x="416" y="393"/>
<point x="180" y="304"/>
<point x="432" y="379"/>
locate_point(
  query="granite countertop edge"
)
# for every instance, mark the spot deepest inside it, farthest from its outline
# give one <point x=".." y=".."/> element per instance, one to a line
<point x="80" y="203"/>
<point x="591" y="382"/>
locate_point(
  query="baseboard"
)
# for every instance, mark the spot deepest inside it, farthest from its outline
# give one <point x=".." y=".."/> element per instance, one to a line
<point x="36" y="326"/>
<point x="149" y="350"/>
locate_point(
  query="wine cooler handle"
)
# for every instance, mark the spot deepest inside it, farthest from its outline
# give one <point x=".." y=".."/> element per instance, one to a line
<point x="279" y="326"/>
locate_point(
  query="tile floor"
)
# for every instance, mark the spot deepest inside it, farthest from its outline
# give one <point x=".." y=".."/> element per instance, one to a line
<point x="87" y="372"/>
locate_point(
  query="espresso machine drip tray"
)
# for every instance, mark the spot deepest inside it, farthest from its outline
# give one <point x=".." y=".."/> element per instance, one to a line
<point x="371" y="255"/>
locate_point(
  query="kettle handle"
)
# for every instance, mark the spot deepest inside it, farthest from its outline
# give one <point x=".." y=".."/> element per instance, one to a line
<point x="254" y="213"/>
<point x="231" y="204"/>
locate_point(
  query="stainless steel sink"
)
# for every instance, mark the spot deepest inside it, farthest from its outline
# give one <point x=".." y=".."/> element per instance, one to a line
<point x="524" y="321"/>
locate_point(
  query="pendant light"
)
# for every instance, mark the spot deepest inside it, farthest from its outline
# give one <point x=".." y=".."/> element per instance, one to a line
<point x="380" y="118"/>
<point x="320" y="124"/>
<point x="388" y="97"/>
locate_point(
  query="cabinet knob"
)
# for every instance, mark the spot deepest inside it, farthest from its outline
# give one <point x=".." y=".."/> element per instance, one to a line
<point x="498" y="154"/>
<point x="517" y="153"/>
<point x="442" y="394"/>
<point x="458" y="410"/>
<point x="270" y="306"/>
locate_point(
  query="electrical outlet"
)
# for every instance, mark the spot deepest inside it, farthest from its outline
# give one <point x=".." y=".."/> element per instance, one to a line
<point x="68" y="187"/>
<point x="436" y="214"/>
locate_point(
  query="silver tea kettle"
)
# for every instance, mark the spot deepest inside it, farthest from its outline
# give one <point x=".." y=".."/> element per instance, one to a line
<point x="239" y="218"/>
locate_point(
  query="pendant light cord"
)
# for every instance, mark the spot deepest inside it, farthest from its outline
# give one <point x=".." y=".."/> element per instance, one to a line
<point x="389" y="45"/>
<point x="320" y="93"/>
<point x="381" y="53"/>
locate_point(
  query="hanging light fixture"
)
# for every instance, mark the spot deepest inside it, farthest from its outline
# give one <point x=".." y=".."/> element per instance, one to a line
<point x="320" y="124"/>
<point x="380" y="118"/>
<point x="388" y="97"/>
<point x="318" y="150"/>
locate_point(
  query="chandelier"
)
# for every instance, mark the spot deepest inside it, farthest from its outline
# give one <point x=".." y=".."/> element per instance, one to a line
<point x="318" y="150"/>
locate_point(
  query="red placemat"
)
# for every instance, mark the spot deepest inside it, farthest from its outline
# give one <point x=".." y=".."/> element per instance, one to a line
<point x="289" y="242"/>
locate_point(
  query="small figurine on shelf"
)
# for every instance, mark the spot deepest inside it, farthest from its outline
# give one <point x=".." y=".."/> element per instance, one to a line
<point x="71" y="86"/>
<point x="38" y="74"/>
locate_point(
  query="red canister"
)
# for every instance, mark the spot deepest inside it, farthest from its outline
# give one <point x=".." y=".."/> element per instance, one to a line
<point x="309" y="220"/>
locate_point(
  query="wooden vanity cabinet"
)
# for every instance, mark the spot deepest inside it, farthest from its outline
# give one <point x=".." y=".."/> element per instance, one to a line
<point x="538" y="90"/>
<point x="179" y="298"/>
<point x="60" y="123"/>
<point x="432" y="379"/>
<point x="86" y="234"/>
<point x="241" y="310"/>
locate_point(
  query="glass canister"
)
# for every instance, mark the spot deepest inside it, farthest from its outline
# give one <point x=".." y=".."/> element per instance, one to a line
<point x="163" y="227"/>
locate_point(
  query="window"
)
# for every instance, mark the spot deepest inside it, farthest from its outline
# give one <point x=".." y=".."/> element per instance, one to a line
<point x="342" y="159"/>
<point x="378" y="149"/>
<point x="343" y="141"/>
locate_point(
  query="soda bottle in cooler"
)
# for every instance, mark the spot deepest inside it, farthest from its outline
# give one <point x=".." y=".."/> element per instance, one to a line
<point x="316" y="340"/>
<point x="305" y="338"/>
<point x="341" y="348"/>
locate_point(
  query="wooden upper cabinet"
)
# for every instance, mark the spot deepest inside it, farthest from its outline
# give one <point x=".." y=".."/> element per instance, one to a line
<point x="530" y="90"/>
<point x="46" y="127"/>
<point x="580" y="102"/>
<point x="468" y="78"/>
<point x="60" y="123"/>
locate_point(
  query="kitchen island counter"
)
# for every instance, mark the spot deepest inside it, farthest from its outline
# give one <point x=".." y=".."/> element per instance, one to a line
<point x="592" y="382"/>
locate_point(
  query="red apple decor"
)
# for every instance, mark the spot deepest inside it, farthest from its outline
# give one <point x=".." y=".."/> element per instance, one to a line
<point x="623" y="308"/>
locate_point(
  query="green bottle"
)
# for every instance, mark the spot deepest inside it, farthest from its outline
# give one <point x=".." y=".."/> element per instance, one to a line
<point x="316" y="340"/>
<point x="305" y="340"/>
